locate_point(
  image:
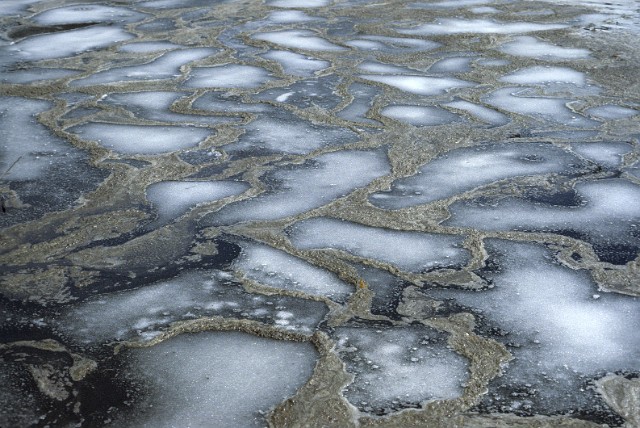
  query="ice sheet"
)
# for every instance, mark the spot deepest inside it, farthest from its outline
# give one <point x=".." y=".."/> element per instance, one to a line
<point x="296" y="64"/>
<point x="409" y="251"/>
<point x="545" y="74"/>
<point x="420" y="85"/>
<point x="299" y="39"/>
<point x="82" y="13"/>
<point x="529" y="46"/>
<point x="227" y="76"/>
<point x="482" y="113"/>
<point x="446" y="26"/>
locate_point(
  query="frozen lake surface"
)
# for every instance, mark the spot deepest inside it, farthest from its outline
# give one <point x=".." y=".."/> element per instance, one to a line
<point x="294" y="213"/>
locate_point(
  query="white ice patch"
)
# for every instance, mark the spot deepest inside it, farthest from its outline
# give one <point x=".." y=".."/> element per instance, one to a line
<point x="550" y="312"/>
<point x="394" y="366"/>
<point x="13" y="7"/>
<point x="519" y="100"/>
<point x="380" y="68"/>
<point x="277" y="269"/>
<point x="63" y="44"/>
<point x="420" y="115"/>
<point x="420" y="85"/>
<point x="150" y="309"/>
<point x="227" y="76"/>
<point x="465" y="169"/>
<point x="221" y="379"/>
<point x="612" y="112"/>
<point x="484" y="10"/>
<point x="35" y="75"/>
<point x="606" y="154"/>
<point x="298" y="3"/>
<point x="83" y="13"/>
<point x="174" y="198"/>
<point x="289" y="17"/>
<point x="298" y="39"/>
<point x="449" y="4"/>
<point x="313" y="184"/>
<point x="477" y="26"/>
<point x="27" y="148"/>
<point x="532" y="47"/>
<point x="611" y="212"/>
<point x="409" y="251"/>
<point x="482" y="113"/>
<point x="165" y="67"/>
<point x="392" y="44"/>
<point x="146" y="47"/>
<point x="136" y="139"/>
<point x="297" y="64"/>
<point x="539" y="75"/>
<point x="451" y="65"/>
<point x="363" y="96"/>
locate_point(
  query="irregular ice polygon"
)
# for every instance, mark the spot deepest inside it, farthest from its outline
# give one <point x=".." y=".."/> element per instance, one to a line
<point x="84" y="13"/>
<point x="447" y="26"/>
<point x="400" y="366"/>
<point x="295" y="63"/>
<point x="165" y="67"/>
<point x="35" y="75"/>
<point x="12" y="7"/>
<point x="393" y="45"/>
<point x="223" y="103"/>
<point x="380" y="68"/>
<point x="483" y="113"/>
<point x="611" y="112"/>
<point x="298" y="39"/>
<point x="299" y="188"/>
<point x="420" y="115"/>
<point x="606" y="154"/>
<point x="452" y="65"/>
<point x="290" y="16"/>
<point x="137" y="139"/>
<point x="298" y="3"/>
<point x="547" y="74"/>
<point x="145" y="311"/>
<point x="277" y="269"/>
<point x="465" y="169"/>
<point x="313" y="92"/>
<point x="409" y="251"/>
<point x="174" y="198"/>
<point x="227" y="76"/>
<point x="420" y="85"/>
<point x="216" y="379"/>
<point x="363" y="96"/>
<point x="561" y="330"/>
<point x="519" y="100"/>
<point x="531" y="47"/>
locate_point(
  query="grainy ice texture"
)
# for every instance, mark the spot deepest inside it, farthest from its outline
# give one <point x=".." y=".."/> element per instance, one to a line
<point x="309" y="213"/>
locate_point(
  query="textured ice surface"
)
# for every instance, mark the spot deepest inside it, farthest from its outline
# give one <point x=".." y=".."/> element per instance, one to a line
<point x="363" y="96"/>
<point x="35" y="75"/>
<point x="165" y="67"/>
<point x="465" y="169"/>
<point x="285" y="133"/>
<point x="451" y="65"/>
<point x="227" y="76"/>
<point x="480" y="112"/>
<point x="296" y="64"/>
<point x="146" y="311"/>
<point x="136" y="139"/>
<point x="561" y="329"/>
<point x="392" y="44"/>
<point x="300" y="39"/>
<point x="612" y="112"/>
<point x="521" y="101"/>
<point x="396" y="367"/>
<point x="221" y="379"/>
<point x="420" y="115"/>
<point x="608" y="217"/>
<point x="290" y="16"/>
<point x="420" y="85"/>
<point x="380" y="68"/>
<point x="13" y="7"/>
<point x="277" y="269"/>
<point x="303" y="187"/>
<point x="87" y="13"/>
<point x="174" y="198"/>
<point x="529" y="46"/>
<point x="409" y="251"/>
<point x="449" y="4"/>
<point x="319" y="91"/>
<point x="298" y="3"/>
<point x="541" y="74"/>
<point x="223" y="103"/>
<point x="606" y="154"/>
<point x="477" y="26"/>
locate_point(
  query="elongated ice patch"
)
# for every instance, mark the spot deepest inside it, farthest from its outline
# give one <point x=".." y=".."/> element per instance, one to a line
<point x="478" y="26"/>
<point x="482" y="113"/>
<point x="420" y="85"/>
<point x="296" y="64"/>
<point x="529" y="46"/>
<point x="227" y="76"/>
<point x="87" y="13"/>
<point x="409" y="251"/>
<point x="538" y="74"/>
<point x="420" y="115"/>
<point x="299" y="39"/>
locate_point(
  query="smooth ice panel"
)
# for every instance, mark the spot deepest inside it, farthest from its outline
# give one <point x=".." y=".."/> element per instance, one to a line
<point x="87" y="13"/>
<point x="135" y="139"/>
<point x="611" y="112"/>
<point x="297" y="64"/>
<point x="452" y="65"/>
<point x="420" y="85"/>
<point x="227" y="76"/>
<point x="409" y="251"/>
<point x="482" y="113"/>
<point x="539" y="74"/>
<point x="299" y="39"/>
<point x="606" y="154"/>
<point x="173" y="198"/>
<point x="532" y="47"/>
<point x="420" y="115"/>
<point x="290" y="16"/>
<point x="477" y="26"/>
<point x="465" y="169"/>
<point x="221" y="379"/>
<point x="277" y="269"/>
<point x="308" y="186"/>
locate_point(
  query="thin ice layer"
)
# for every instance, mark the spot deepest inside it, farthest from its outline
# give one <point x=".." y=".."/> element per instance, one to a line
<point x="562" y="326"/>
<point x="296" y="64"/>
<point x="227" y="76"/>
<point x="146" y="311"/>
<point x="446" y="26"/>
<point x="174" y="198"/>
<point x="221" y="379"/>
<point x="409" y="251"/>
<point x="136" y="139"/>
<point x="531" y="47"/>
<point x="399" y="367"/>
<point x="465" y="169"/>
<point x="420" y="85"/>
<point x="299" y="39"/>
<point x="83" y="13"/>
<point x="420" y="115"/>
<point x="300" y="188"/>
<point x="277" y="269"/>
<point x="480" y="112"/>
<point x="547" y="74"/>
